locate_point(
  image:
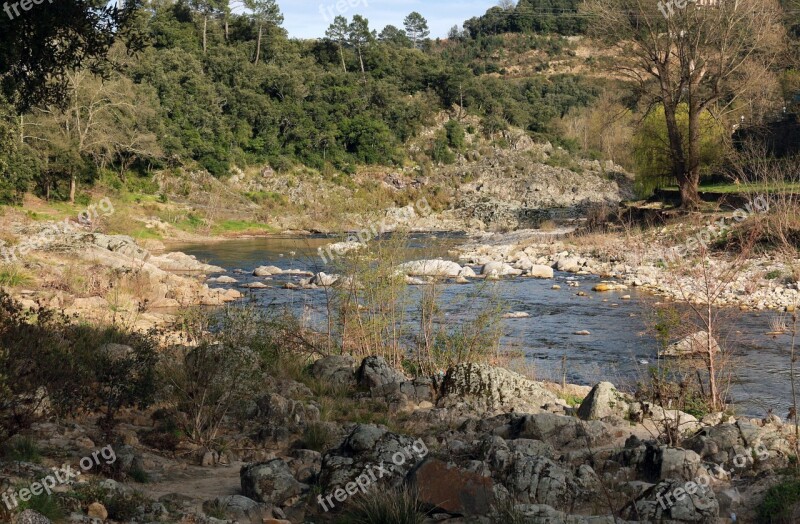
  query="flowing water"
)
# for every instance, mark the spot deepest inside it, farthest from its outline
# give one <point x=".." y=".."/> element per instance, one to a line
<point x="620" y="349"/>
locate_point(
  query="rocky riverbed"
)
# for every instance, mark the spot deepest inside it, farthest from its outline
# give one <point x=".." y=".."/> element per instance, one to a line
<point x="757" y="283"/>
<point x="478" y="444"/>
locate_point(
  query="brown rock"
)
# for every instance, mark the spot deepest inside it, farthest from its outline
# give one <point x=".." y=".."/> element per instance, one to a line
<point x="97" y="511"/>
<point x="453" y="489"/>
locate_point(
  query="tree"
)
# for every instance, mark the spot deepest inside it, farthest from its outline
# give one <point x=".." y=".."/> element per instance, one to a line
<point x="265" y="13"/>
<point x="361" y="37"/>
<point x="207" y="9"/>
<point x="338" y="32"/>
<point x="708" y="58"/>
<point x="395" y="36"/>
<point x="416" y="28"/>
<point x="37" y="48"/>
<point x="652" y="151"/>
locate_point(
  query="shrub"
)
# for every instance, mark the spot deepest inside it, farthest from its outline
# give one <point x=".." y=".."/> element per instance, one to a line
<point x="317" y="437"/>
<point x="48" y="365"/>
<point x="387" y="507"/>
<point x="206" y="383"/>
<point x="22" y="449"/>
<point x="779" y="502"/>
<point x="46" y="505"/>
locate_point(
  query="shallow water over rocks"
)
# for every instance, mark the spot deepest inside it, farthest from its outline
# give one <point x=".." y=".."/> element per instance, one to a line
<point x="619" y="348"/>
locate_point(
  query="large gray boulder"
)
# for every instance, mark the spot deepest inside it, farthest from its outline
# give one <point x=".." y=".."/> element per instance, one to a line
<point x="370" y="448"/>
<point x="561" y="432"/>
<point x="668" y="501"/>
<point x="430" y="268"/>
<point x="335" y="369"/>
<point x="269" y="482"/>
<point x="239" y="508"/>
<point x="376" y="372"/>
<point x="500" y="269"/>
<point x="695" y="345"/>
<point x="486" y="389"/>
<point x="602" y="402"/>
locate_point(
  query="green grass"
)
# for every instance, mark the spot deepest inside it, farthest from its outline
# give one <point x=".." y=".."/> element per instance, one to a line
<point x="779" y="502"/>
<point x="242" y="226"/>
<point x="12" y="276"/>
<point x="47" y="505"/>
<point x="144" y="233"/>
<point x="744" y="188"/>
<point x="22" y="449"/>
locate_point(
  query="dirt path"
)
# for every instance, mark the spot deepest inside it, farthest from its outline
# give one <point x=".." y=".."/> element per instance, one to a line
<point x="197" y="484"/>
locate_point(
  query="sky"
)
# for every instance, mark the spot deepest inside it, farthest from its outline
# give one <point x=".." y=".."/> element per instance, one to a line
<point x="310" y="18"/>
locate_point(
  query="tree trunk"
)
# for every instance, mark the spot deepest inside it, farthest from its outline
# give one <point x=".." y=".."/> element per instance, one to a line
<point x="341" y="53"/>
<point x="363" y="69"/>
<point x="73" y="185"/>
<point x="227" y="28"/>
<point x="258" y="43"/>
<point x="205" y="33"/>
<point x="688" y="178"/>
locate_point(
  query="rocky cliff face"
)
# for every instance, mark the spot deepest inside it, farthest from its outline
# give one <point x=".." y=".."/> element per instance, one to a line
<point x="514" y="189"/>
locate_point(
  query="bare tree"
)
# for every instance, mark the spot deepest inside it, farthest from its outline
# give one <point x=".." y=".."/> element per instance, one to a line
<point x="705" y="55"/>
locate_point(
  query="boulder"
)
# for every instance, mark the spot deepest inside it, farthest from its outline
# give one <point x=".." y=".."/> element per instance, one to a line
<point x="431" y="268"/>
<point x="178" y="261"/>
<point x="540" y="271"/>
<point x="539" y="479"/>
<point x="371" y="448"/>
<point x="467" y="272"/>
<point x="487" y="389"/>
<point x="376" y="372"/>
<point x="223" y="280"/>
<point x="452" y="489"/>
<point x="267" y="271"/>
<point x="335" y="369"/>
<point x="237" y="507"/>
<point x="559" y="431"/>
<point x="31" y="517"/>
<point x="696" y="344"/>
<point x="324" y="280"/>
<point x="668" y="501"/>
<point x="97" y="511"/>
<point x="500" y="269"/>
<point x="568" y="264"/>
<point x="603" y="401"/>
<point x="269" y="482"/>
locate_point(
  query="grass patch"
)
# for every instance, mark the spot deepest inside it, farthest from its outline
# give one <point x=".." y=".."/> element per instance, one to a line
<point x="779" y="502"/>
<point x="22" y="449"/>
<point x="385" y="507"/>
<point x="45" y="504"/>
<point x="317" y="437"/>
<point x="773" y="275"/>
<point x="13" y="276"/>
<point x="242" y="226"/>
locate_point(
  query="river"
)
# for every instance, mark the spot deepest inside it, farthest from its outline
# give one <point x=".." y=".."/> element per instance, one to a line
<point x="620" y="349"/>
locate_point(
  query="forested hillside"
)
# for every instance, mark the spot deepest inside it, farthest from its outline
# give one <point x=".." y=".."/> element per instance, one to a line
<point x="193" y="85"/>
<point x="215" y="89"/>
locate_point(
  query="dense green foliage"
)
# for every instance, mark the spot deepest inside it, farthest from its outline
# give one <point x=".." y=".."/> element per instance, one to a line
<point x="530" y="16"/>
<point x="214" y="89"/>
<point x="651" y="147"/>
